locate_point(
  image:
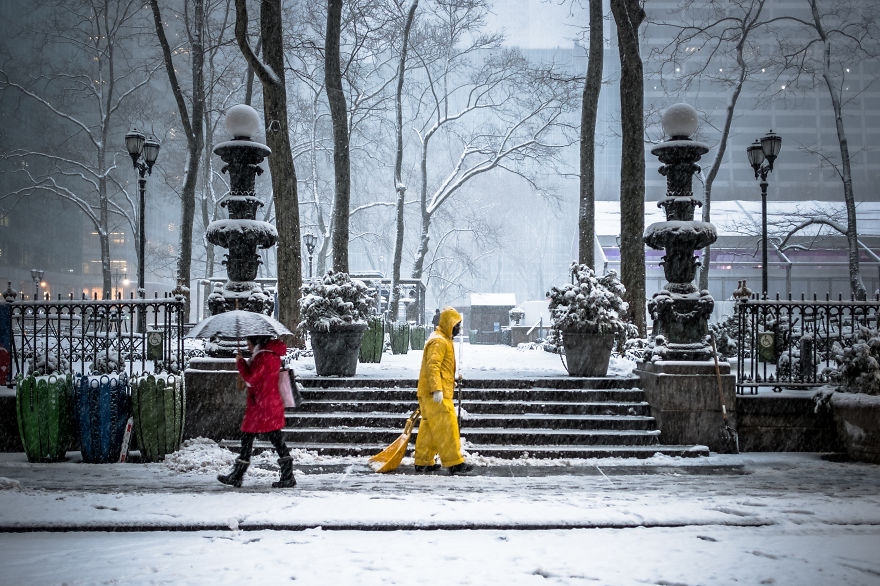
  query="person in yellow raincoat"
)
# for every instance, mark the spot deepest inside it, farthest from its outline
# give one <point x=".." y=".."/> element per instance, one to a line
<point x="438" y="428"/>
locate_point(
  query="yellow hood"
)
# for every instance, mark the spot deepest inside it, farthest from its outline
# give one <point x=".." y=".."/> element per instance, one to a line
<point x="448" y="318"/>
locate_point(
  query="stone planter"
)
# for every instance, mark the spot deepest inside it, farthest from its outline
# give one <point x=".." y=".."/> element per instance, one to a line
<point x="399" y="334"/>
<point x="373" y="341"/>
<point x="44" y="410"/>
<point x="417" y="337"/>
<point x="857" y="417"/>
<point x="103" y="406"/>
<point x="336" y="352"/>
<point x="158" y="406"/>
<point x="587" y="354"/>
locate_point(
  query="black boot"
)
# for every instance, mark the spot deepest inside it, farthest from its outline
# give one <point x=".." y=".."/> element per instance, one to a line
<point x="287" y="480"/>
<point x="234" y="477"/>
<point x="463" y="468"/>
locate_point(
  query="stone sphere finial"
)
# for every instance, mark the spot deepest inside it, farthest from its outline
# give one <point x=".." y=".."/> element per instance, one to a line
<point x="680" y="121"/>
<point x="243" y="122"/>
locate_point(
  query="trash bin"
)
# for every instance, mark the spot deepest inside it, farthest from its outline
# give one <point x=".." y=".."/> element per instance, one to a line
<point x="44" y="409"/>
<point x="399" y="334"/>
<point x="158" y="405"/>
<point x="417" y="337"/>
<point x="102" y="406"/>
<point x="373" y="341"/>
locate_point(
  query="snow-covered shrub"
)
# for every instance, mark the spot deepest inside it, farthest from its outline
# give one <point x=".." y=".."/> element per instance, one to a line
<point x="46" y="364"/>
<point x="726" y="334"/>
<point x="858" y="365"/>
<point x="589" y="305"/>
<point x="335" y="300"/>
<point x="108" y="361"/>
<point x="636" y="349"/>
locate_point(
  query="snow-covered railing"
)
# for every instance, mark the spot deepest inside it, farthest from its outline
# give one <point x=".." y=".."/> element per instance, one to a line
<point x="790" y="343"/>
<point x="138" y="334"/>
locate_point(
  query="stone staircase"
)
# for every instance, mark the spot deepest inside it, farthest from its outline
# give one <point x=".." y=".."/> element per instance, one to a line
<point x="538" y="418"/>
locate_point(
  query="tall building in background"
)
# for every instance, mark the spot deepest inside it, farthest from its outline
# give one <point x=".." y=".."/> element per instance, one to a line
<point x="805" y="120"/>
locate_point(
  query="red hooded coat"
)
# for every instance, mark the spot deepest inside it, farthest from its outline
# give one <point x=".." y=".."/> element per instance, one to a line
<point x="264" y="411"/>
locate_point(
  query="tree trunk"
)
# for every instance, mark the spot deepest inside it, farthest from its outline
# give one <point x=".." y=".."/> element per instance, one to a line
<point x="339" y="116"/>
<point x="589" y="107"/>
<point x="419" y="263"/>
<point x="193" y="128"/>
<point x="629" y="15"/>
<point x="399" y="187"/>
<point x="747" y="27"/>
<point x="271" y="75"/>
<point x="856" y="284"/>
<point x="104" y="223"/>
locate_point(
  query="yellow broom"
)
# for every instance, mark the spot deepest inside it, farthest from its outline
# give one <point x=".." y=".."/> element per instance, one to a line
<point x="390" y="458"/>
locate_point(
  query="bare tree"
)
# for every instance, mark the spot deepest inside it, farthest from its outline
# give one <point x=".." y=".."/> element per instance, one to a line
<point x="467" y="241"/>
<point x="496" y="114"/>
<point x="271" y="73"/>
<point x="222" y="74"/>
<point x="87" y="98"/>
<point x="838" y="35"/>
<point x="367" y="31"/>
<point x="193" y="125"/>
<point x="801" y="230"/>
<point x="399" y="185"/>
<point x="589" y="111"/>
<point x="341" y="156"/>
<point x="629" y="15"/>
<point x="715" y="37"/>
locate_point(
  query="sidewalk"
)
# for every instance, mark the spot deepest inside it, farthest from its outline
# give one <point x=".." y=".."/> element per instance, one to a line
<point x="346" y="493"/>
<point x="752" y="518"/>
<point x="775" y="518"/>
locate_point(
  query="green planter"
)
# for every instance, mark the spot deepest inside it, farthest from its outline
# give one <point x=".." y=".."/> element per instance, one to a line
<point x="44" y="409"/>
<point x="158" y="406"/>
<point x="373" y="341"/>
<point x="417" y="337"/>
<point x="399" y="333"/>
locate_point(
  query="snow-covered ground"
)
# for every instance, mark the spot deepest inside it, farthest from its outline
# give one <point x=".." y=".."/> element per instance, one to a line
<point x="724" y="519"/>
<point x="478" y="361"/>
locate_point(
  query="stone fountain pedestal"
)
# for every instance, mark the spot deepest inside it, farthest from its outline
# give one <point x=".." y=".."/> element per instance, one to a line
<point x="214" y="405"/>
<point x="685" y="400"/>
<point x="679" y="377"/>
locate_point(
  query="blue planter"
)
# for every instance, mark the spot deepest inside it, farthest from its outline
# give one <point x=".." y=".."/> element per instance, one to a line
<point x="103" y="406"/>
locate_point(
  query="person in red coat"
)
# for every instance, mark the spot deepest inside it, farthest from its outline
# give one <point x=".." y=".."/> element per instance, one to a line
<point x="264" y="409"/>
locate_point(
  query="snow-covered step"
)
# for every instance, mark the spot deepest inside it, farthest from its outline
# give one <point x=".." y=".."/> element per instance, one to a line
<point x="564" y="417"/>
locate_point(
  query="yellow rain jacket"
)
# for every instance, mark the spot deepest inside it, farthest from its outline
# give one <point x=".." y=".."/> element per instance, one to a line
<point x="438" y="428"/>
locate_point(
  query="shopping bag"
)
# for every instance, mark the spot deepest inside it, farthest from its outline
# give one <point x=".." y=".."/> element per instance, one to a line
<point x="284" y="387"/>
<point x="297" y="394"/>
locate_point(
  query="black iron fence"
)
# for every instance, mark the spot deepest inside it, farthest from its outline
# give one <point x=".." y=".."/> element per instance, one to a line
<point x="789" y="343"/>
<point x="141" y="334"/>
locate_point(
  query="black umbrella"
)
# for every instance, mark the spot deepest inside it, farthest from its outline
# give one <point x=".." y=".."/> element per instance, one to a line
<point x="238" y="323"/>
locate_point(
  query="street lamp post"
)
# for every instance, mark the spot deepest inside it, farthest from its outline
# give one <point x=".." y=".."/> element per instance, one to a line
<point x="37" y="276"/>
<point x="116" y="275"/>
<point x="143" y="152"/>
<point x="310" y="240"/>
<point x="767" y="148"/>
